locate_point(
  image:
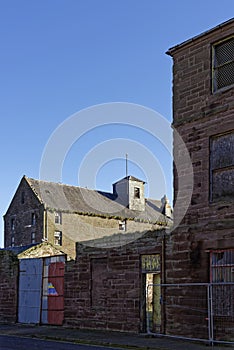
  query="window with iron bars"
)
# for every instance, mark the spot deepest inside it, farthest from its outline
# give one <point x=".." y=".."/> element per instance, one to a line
<point x="223" y="64"/>
<point x="222" y="277"/>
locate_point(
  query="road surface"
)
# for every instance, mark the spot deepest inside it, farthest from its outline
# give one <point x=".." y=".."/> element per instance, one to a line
<point x="19" y="343"/>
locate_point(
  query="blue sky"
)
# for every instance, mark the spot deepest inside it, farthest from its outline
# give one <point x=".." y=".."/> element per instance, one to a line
<point x="61" y="56"/>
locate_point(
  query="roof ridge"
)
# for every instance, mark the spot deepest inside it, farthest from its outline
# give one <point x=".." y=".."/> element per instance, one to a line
<point x="67" y="185"/>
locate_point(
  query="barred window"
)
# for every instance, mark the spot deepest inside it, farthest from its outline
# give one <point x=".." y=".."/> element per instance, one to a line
<point x="223" y="64"/>
<point x="222" y="275"/>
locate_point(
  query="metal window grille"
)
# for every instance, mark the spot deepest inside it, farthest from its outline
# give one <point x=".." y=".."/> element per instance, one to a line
<point x="223" y="64"/>
<point x="222" y="271"/>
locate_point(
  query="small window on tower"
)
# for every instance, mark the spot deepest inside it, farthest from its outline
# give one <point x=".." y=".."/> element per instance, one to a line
<point x="136" y="192"/>
<point x="12" y="241"/>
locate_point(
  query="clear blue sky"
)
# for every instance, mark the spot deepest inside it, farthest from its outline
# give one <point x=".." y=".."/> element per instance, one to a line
<point x="61" y="56"/>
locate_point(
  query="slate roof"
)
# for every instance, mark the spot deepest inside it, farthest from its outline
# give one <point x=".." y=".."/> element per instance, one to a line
<point x="74" y="199"/>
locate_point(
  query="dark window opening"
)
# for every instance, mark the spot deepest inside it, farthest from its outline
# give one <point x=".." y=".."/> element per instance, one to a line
<point x="33" y="219"/>
<point x="136" y="192"/>
<point x="12" y="224"/>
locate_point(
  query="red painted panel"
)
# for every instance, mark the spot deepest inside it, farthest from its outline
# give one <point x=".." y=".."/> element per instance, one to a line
<point x="55" y="293"/>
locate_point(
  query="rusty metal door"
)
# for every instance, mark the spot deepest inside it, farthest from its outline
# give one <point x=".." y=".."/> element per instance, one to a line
<point x="30" y="282"/>
<point x="55" y="293"/>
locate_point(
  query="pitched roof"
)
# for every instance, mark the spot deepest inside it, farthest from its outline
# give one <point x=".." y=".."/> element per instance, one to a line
<point x="80" y="200"/>
<point x="130" y="177"/>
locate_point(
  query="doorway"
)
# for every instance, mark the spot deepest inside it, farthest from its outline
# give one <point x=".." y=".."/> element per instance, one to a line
<point x="153" y="302"/>
<point x="151" y="319"/>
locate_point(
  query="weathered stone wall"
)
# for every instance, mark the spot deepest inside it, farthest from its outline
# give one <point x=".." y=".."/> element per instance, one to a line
<point x="23" y="205"/>
<point x="103" y="287"/>
<point x="80" y="228"/>
<point x="8" y="286"/>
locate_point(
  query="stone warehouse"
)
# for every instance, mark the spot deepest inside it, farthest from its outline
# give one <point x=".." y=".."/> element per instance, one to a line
<point x="63" y="215"/>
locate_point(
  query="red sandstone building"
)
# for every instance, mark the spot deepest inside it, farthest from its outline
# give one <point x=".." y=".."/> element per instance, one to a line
<point x="106" y="288"/>
<point x="202" y="247"/>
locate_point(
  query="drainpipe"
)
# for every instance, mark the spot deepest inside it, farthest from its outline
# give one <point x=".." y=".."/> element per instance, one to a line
<point x="45" y="228"/>
<point x="163" y="281"/>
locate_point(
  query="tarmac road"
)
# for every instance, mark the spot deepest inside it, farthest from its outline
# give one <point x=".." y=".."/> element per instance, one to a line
<point x="19" y="343"/>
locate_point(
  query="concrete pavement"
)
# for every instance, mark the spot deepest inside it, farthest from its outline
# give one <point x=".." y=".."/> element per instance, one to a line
<point x="98" y="337"/>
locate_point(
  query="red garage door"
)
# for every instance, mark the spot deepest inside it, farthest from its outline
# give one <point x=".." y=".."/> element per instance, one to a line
<point x="55" y="293"/>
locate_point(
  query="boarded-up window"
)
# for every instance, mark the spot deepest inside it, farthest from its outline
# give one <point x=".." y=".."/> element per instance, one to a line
<point x="99" y="282"/>
<point x="222" y="167"/>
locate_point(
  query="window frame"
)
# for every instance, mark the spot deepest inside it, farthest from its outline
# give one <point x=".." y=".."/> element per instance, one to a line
<point x="137" y="192"/>
<point x="215" y="68"/>
<point x="222" y="278"/>
<point x="122" y="225"/>
<point x="58" y="218"/>
<point x="33" y="237"/>
<point x="33" y="219"/>
<point x="12" y="224"/>
<point x="58" y="238"/>
<point x="214" y="169"/>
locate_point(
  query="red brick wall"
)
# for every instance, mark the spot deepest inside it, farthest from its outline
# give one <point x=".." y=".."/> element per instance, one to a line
<point x="103" y="288"/>
<point x="8" y="286"/>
